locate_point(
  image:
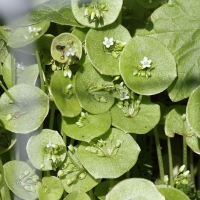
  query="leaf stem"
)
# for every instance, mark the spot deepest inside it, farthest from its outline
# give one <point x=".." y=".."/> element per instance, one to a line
<point x="40" y="70"/>
<point x="191" y="166"/>
<point x="7" y="192"/>
<point x="52" y="114"/>
<point x="184" y="153"/>
<point x="170" y="161"/>
<point x="8" y="93"/>
<point x="159" y="154"/>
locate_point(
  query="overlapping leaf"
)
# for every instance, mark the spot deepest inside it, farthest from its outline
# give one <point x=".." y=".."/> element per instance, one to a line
<point x="176" y="25"/>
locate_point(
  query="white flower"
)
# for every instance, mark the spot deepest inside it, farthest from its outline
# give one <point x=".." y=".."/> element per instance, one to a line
<point x="145" y="63"/>
<point x="71" y="51"/>
<point x="123" y="93"/>
<point x="108" y="42"/>
<point x="49" y="145"/>
<point x="34" y="30"/>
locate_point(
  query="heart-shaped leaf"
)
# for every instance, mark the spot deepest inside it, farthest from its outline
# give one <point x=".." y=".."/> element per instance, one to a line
<point x="50" y="188"/>
<point x="66" y="48"/>
<point x="73" y="176"/>
<point x="96" y="14"/>
<point x="78" y="195"/>
<point x="172" y="193"/>
<point x="147" y="73"/>
<point x="134" y="189"/>
<point x="27" y="113"/>
<point x="87" y="126"/>
<point x="26" y="35"/>
<point x="169" y="22"/>
<point x="46" y="150"/>
<point x="112" y="154"/>
<point x="62" y="90"/>
<point x="94" y="97"/>
<point x="101" y="56"/>
<point x="21" y="179"/>
<point x="145" y="120"/>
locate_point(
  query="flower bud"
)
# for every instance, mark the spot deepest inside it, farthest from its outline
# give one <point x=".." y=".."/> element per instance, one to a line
<point x="185" y="174"/>
<point x="181" y="168"/>
<point x="166" y="179"/>
<point x="82" y="176"/>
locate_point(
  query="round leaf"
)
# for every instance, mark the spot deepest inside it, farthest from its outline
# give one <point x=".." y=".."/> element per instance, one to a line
<point x="134" y="189"/>
<point x="163" y="66"/>
<point x="23" y="36"/>
<point x="13" y="174"/>
<point x="193" y="142"/>
<point x="31" y="104"/>
<point x="119" y="154"/>
<point x="38" y="146"/>
<point x="145" y="120"/>
<point x="95" y="125"/>
<point x="193" y="110"/>
<point x="172" y="193"/>
<point x="63" y="44"/>
<point x="87" y="78"/>
<point x="64" y="98"/>
<point x="103" y="61"/>
<point x="110" y="12"/>
<point x="50" y="188"/>
<point x="78" y="195"/>
<point x="76" y="178"/>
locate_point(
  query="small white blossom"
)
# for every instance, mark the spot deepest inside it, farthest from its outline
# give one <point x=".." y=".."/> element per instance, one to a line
<point x="34" y="30"/>
<point x="123" y="93"/>
<point x="49" y="145"/>
<point x="108" y="42"/>
<point x="67" y="72"/>
<point x="145" y="63"/>
<point x="71" y="51"/>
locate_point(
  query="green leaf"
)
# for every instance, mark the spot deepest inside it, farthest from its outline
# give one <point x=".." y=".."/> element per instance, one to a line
<point x="27" y="113"/>
<point x="57" y="11"/>
<point x="21" y="36"/>
<point x="169" y="23"/>
<point x="112" y="154"/>
<point x="80" y="33"/>
<point x="40" y="150"/>
<point x="86" y="79"/>
<point x="78" y="195"/>
<point x="149" y="3"/>
<point x="134" y="189"/>
<point x="19" y="178"/>
<point x="193" y="110"/>
<point x="50" y="188"/>
<point x="62" y="44"/>
<point x="163" y="66"/>
<point x="30" y="71"/>
<point x="145" y="120"/>
<point x="93" y="126"/>
<point x="175" y="122"/>
<point x="73" y="176"/>
<point x="110" y="13"/>
<point x="172" y="193"/>
<point x="64" y="98"/>
<point x="102" y="60"/>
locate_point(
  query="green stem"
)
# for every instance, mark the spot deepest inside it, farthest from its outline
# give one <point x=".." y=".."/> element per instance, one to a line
<point x="7" y="192"/>
<point x="52" y="114"/>
<point x="74" y="163"/>
<point x="40" y="70"/>
<point x="71" y="141"/>
<point x="128" y="174"/>
<point x="170" y="161"/>
<point x="8" y="93"/>
<point x="184" y="153"/>
<point x="119" y="19"/>
<point x="159" y="154"/>
<point x="12" y="68"/>
<point x="17" y="149"/>
<point x="191" y="166"/>
<point x="47" y="173"/>
<point x="112" y="183"/>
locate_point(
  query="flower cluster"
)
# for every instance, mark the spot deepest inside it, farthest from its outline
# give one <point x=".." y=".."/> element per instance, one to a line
<point x="144" y="70"/>
<point x="113" y="47"/>
<point x="82" y="120"/>
<point x="94" y="11"/>
<point x="34" y="31"/>
<point x="105" y="148"/>
<point x="28" y="180"/>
